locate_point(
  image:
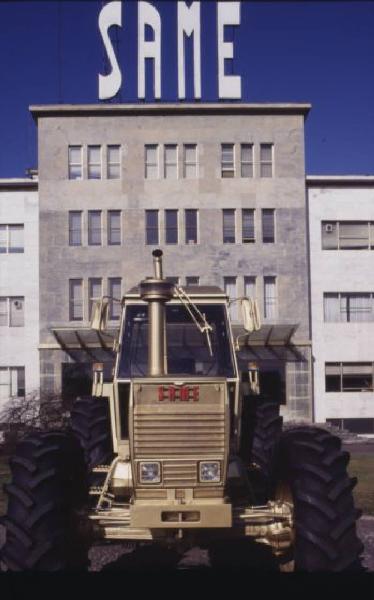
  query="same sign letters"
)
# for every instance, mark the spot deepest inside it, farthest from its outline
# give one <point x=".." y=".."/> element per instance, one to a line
<point x="188" y="24"/>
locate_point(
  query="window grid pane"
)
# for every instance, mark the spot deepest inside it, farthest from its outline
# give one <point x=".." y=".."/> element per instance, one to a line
<point x="94" y="293"/>
<point x="115" y="285"/>
<point x="94" y="227"/>
<point x="151" y="161"/>
<point x="94" y="162"/>
<point x="190" y="161"/>
<point x="268" y="226"/>
<point x="16" y="238"/>
<point x="170" y="162"/>
<point x="246" y="160"/>
<point x="227" y="160"/>
<point x="114" y="227"/>
<point x="152" y="228"/>
<point x="75" y="228"/>
<point x="228" y="226"/>
<point x="191" y="226"/>
<point x="266" y="160"/>
<point x="171" y="227"/>
<point x="76" y="300"/>
<point x="113" y="162"/>
<point x="248" y="225"/>
<point x="270" y="298"/>
<point x="75" y="162"/>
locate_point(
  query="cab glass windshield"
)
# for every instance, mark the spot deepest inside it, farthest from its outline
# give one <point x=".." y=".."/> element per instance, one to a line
<point x="187" y="348"/>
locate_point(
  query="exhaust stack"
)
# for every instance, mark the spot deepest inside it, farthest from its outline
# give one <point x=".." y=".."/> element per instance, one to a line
<point x="156" y="291"/>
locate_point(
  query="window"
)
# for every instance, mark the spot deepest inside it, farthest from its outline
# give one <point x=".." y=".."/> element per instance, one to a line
<point x="270" y="298"/>
<point x="114" y="290"/>
<point x="266" y="160"/>
<point x="170" y="161"/>
<point x="12" y="382"/>
<point x="347" y="235"/>
<point x="113" y="162"/>
<point x="75" y="162"/>
<point x="11" y="239"/>
<point x="76" y="299"/>
<point x="227" y="160"/>
<point x="173" y="279"/>
<point x="94" y="162"/>
<point x="268" y="226"/>
<point x="349" y="377"/>
<point x="191" y="225"/>
<point x="94" y="293"/>
<point x="75" y="228"/>
<point x="248" y="225"/>
<point x="229" y="284"/>
<point x="151" y="227"/>
<point x="228" y="225"/>
<point x="250" y="287"/>
<point x="190" y="161"/>
<point x="114" y="227"/>
<point x="348" y="307"/>
<point x="12" y="312"/>
<point x="171" y="227"/>
<point x="192" y="280"/>
<point x="94" y="227"/>
<point x="151" y="161"/>
<point x="246" y="160"/>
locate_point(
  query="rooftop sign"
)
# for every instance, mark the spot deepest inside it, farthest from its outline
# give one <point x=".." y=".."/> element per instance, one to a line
<point x="150" y="38"/>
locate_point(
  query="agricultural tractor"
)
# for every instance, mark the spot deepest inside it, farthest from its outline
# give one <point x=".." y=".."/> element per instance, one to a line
<point x="162" y="454"/>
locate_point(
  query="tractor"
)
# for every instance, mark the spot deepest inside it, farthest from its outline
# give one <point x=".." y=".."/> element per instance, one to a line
<point x="161" y="454"/>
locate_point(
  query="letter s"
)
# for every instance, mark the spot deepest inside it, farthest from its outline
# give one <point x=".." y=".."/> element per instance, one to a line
<point x="109" y="85"/>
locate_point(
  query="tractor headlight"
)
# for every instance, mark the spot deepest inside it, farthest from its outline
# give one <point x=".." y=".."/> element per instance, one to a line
<point x="210" y="471"/>
<point x="150" y="472"/>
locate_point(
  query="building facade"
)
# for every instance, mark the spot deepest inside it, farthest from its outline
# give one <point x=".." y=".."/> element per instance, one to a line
<point x="220" y="188"/>
<point x="19" y="289"/>
<point x="341" y="217"/>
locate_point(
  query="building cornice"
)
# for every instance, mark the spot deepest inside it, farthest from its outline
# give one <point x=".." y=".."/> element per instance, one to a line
<point x="18" y="184"/>
<point x="66" y="110"/>
<point x="340" y="181"/>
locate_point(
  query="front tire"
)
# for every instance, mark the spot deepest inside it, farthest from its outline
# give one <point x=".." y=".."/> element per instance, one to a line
<point x="312" y="466"/>
<point x="47" y="488"/>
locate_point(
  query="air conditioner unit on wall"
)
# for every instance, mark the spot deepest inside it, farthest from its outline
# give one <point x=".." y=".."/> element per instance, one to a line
<point x="329" y="228"/>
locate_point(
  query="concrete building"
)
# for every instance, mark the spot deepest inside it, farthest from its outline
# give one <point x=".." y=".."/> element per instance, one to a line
<point x="341" y="217"/>
<point x="220" y="188"/>
<point x="19" y="288"/>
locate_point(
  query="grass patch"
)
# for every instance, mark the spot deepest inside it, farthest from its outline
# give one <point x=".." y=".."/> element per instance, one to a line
<point x="362" y="467"/>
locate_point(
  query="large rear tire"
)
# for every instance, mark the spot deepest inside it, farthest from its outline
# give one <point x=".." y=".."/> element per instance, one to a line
<point x="47" y="489"/>
<point x="312" y="466"/>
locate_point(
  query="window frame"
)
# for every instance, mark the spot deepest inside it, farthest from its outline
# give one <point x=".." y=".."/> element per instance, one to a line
<point x="91" y="297"/>
<point x="8" y="249"/>
<point x="339" y="367"/>
<point x="175" y="228"/>
<point x="147" y="163"/>
<point x="111" y="230"/>
<point x="187" y="163"/>
<point x="73" y="213"/>
<point x="91" y="164"/>
<point x="8" y="300"/>
<point x="227" y="172"/>
<point x="173" y="164"/>
<point x="110" y="163"/>
<point x="21" y="378"/>
<point x="225" y="211"/>
<point x="275" y="303"/>
<point x="338" y="236"/>
<point x="112" y="304"/>
<point x="264" y="162"/>
<point x="72" y="306"/>
<point x="188" y="228"/>
<point x="249" y="239"/>
<point x="72" y="164"/>
<point x="91" y="230"/>
<point x="272" y="212"/>
<point x="148" y="228"/>
<point x="247" y="162"/>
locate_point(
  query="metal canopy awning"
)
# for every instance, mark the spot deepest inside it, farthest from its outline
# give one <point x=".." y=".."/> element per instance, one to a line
<point x="93" y="343"/>
<point x="268" y="335"/>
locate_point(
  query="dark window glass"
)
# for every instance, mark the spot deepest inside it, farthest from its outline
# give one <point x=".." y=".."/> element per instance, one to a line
<point x="151" y="227"/>
<point x="228" y="226"/>
<point x="94" y="227"/>
<point x="248" y="225"/>
<point x="268" y="229"/>
<point x="114" y="227"/>
<point x="75" y="228"/>
<point x="171" y="226"/>
<point x="191" y="226"/>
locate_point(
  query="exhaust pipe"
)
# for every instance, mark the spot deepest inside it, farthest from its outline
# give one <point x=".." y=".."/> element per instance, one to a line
<point x="156" y="291"/>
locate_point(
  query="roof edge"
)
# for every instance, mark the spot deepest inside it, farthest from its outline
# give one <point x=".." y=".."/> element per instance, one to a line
<point x="49" y="110"/>
<point x="18" y="183"/>
<point x="339" y="180"/>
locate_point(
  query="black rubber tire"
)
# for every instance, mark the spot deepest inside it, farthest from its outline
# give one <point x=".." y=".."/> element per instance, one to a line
<point x="90" y="419"/>
<point x="47" y="489"/>
<point x="312" y="463"/>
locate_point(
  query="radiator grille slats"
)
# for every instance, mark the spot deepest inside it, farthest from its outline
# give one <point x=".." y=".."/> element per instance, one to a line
<point x="178" y="434"/>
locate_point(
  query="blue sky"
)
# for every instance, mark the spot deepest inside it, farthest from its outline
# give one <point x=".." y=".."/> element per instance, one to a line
<point x="317" y="52"/>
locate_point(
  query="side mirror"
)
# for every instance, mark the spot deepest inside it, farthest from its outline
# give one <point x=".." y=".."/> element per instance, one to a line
<point x="100" y="313"/>
<point x="250" y="314"/>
